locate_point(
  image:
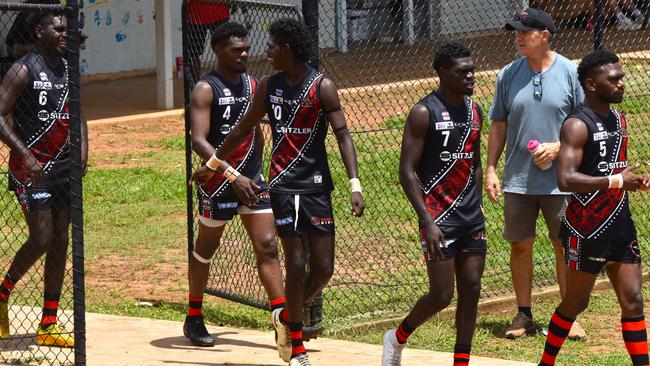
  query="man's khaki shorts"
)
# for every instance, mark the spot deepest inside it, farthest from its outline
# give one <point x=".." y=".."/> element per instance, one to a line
<point x="521" y="210"/>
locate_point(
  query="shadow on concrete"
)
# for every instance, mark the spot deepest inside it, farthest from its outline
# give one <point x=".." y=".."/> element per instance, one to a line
<point x="183" y="343"/>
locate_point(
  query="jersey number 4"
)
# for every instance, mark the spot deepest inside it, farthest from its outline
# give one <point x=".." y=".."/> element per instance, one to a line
<point x="226" y="113"/>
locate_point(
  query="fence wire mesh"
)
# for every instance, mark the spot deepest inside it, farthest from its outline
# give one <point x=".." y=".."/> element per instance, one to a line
<point x="40" y="90"/>
<point x="380" y="55"/>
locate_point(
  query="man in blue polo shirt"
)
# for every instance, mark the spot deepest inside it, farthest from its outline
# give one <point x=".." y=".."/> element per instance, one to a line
<point x="533" y="96"/>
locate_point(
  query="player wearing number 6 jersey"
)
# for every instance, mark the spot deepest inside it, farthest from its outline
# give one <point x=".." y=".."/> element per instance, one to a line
<point x="219" y="101"/>
<point x="299" y="102"/>
<point x="440" y="171"/>
<point x="35" y="92"/>
<point x="598" y="231"/>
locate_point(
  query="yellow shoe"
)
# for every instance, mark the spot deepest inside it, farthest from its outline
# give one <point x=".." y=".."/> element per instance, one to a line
<point x="4" y="320"/>
<point x="54" y="335"/>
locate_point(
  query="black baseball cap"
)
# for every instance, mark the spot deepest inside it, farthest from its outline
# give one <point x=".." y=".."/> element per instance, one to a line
<point x="530" y="19"/>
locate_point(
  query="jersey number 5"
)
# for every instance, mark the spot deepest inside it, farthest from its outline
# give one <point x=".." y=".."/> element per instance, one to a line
<point x="603" y="149"/>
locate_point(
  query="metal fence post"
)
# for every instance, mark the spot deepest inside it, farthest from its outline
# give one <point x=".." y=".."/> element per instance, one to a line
<point x="76" y="186"/>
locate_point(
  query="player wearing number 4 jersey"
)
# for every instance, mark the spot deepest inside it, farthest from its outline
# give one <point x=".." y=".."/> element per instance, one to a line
<point x="598" y="231"/>
<point x="440" y="171"/>
<point x="300" y="102"/>
<point x="35" y="91"/>
<point x="219" y="101"/>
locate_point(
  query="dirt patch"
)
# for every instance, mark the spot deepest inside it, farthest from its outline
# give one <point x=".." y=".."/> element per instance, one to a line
<point x="116" y="278"/>
<point x="106" y="141"/>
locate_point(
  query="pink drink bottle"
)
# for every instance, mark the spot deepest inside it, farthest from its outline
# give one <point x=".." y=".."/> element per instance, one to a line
<point x="533" y="146"/>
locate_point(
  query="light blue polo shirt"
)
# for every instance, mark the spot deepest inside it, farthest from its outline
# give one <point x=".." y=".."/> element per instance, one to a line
<point x="530" y="117"/>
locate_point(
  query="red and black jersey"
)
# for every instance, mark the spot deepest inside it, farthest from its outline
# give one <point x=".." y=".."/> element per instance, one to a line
<point x="229" y="103"/>
<point x="41" y="121"/>
<point x="447" y="165"/>
<point x="603" y="214"/>
<point x="299" y="127"/>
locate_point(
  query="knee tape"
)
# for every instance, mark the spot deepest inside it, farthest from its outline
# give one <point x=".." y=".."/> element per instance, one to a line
<point x="200" y="259"/>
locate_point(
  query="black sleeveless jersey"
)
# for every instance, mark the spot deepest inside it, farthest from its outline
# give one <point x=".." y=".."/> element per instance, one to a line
<point x="299" y="127"/>
<point x="229" y="103"/>
<point x="40" y="119"/>
<point x="447" y="166"/>
<point x="601" y="214"/>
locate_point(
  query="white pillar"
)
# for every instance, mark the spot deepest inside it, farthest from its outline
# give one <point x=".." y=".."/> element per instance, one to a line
<point x="342" y="26"/>
<point x="408" y="22"/>
<point x="164" y="58"/>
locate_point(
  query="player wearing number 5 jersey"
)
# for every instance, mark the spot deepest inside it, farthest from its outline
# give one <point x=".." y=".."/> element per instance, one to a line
<point x="598" y="231"/>
<point x="35" y="92"/>
<point x="440" y="171"/>
<point x="219" y="101"/>
<point x="300" y="102"/>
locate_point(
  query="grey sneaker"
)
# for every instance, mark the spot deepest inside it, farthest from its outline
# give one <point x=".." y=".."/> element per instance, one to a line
<point x="625" y="23"/>
<point x="392" y="352"/>
<point x="282" y="340"/>
<point x="521" y="325"/>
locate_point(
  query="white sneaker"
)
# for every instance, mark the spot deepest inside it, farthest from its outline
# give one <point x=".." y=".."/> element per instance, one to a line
<point x="625" y="23"/>
<point x="300" y="360"/>
<point x="282" y="340"/>
<point x="392" y="354"/>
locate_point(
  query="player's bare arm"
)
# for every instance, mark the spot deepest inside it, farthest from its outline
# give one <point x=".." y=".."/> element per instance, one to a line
<point x="573" y="137"/>
<point x="336" y="118"/>
<point x="201" y="104"/>
<point x="12" y="86"/>
<point x="496" y="143"/>
<point x="415" y="131"/>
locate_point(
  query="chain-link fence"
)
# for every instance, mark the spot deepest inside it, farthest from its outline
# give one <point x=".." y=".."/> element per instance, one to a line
<point x="42" y="209"/>
<point x="380" y="54"/>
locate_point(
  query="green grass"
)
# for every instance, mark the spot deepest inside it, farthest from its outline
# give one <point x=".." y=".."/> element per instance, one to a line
<point x="604" y="345"/>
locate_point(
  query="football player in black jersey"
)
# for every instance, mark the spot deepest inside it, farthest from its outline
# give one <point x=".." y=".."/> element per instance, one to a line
<point x="598" y="231"/>
<point x="301" y="105"/>
<point x="217" y="103"/>
<point x="440" y="171"/>
<point x="35" y="92"/>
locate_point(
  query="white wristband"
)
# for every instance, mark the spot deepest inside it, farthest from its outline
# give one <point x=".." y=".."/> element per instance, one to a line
<point x="355" y="185"/>
<point x="231" y="174"/>
<point x="615" y="181"/>
<point x="214" y="162"/>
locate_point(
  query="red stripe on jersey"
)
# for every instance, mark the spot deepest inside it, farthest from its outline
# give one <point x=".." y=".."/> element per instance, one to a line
<point x="45" y="149"/>
<point x="444" y="194"/>
<point x="290" y="147"/>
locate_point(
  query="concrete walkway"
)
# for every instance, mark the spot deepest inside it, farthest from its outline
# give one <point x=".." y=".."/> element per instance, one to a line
<point x="114" y="340"/>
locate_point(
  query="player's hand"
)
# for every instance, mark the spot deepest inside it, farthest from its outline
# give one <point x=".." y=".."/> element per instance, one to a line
<point x="492" y="186"/>
<point x="34" y="168"/>
<point x="246" y="190"/>
<point x="201" y="175"/>
<point x="357" y="204"/>
<point x="434" y="240"/>
<point x="546" y="154"/>
<point x="646" y="184"/>
<point x="631" y="181"/>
